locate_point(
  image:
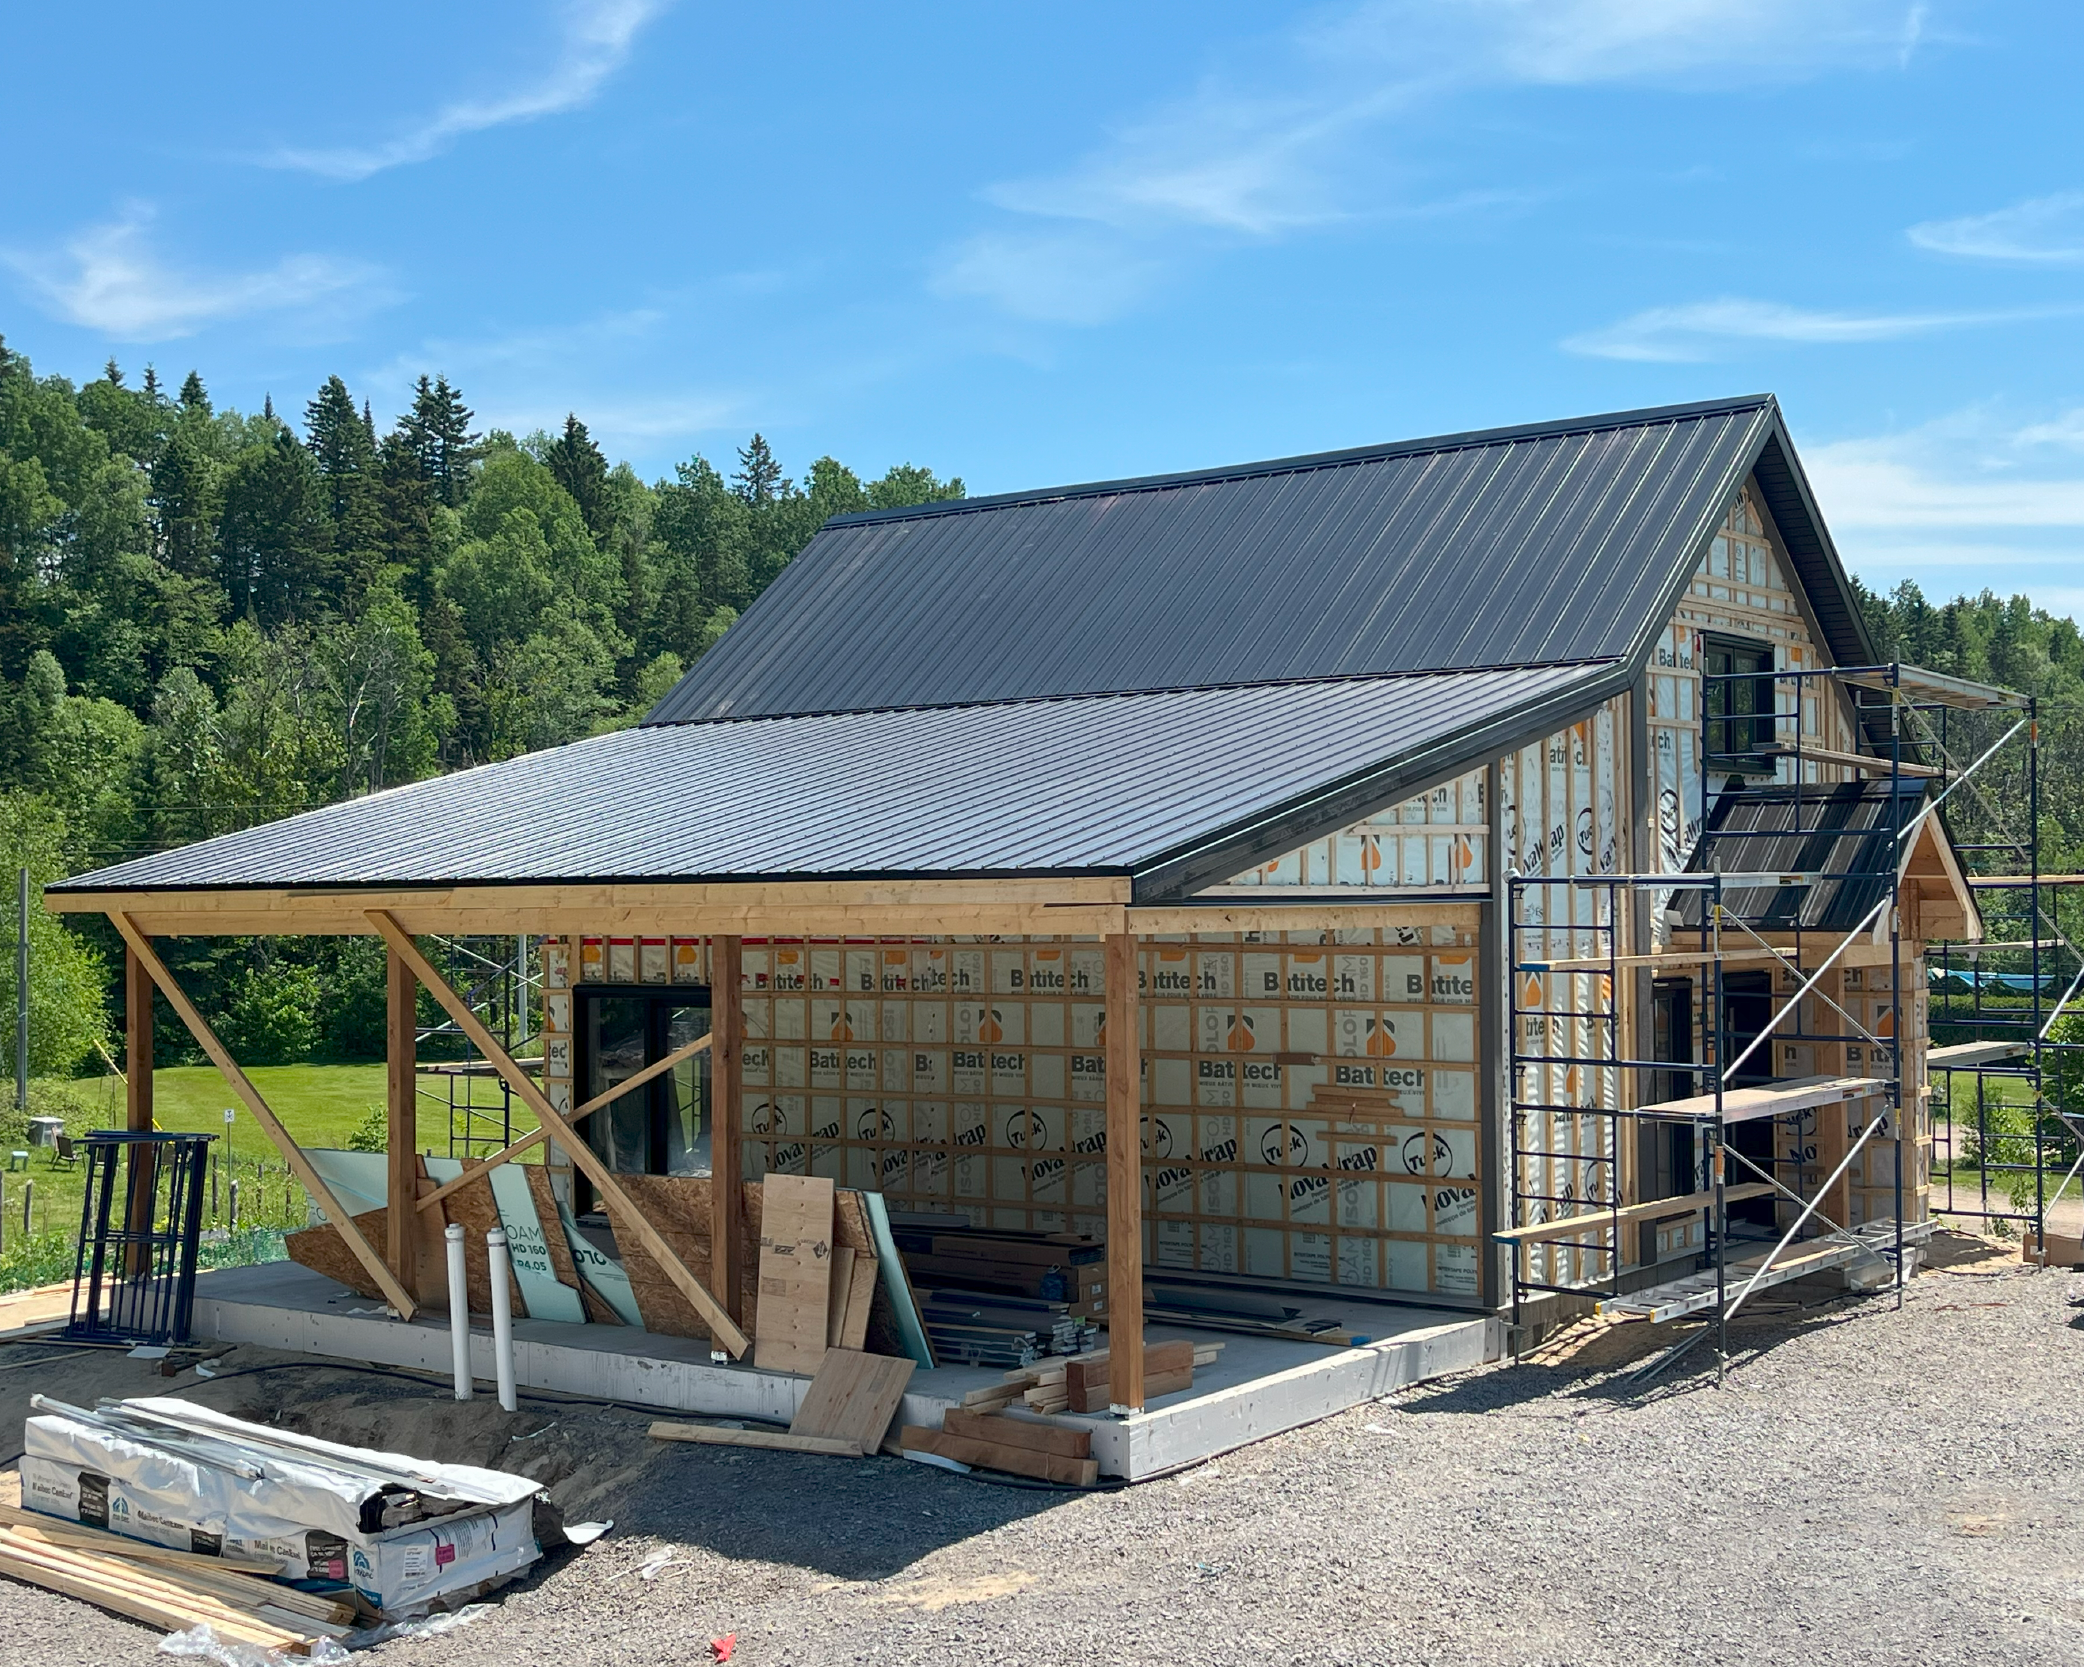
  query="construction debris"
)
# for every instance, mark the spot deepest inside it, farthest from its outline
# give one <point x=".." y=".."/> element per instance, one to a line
<point x="1001" y="1297"/>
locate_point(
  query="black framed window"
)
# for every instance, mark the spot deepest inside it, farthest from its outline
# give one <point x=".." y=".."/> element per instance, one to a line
<point x="1739" y="703"/>
<point x="661" y="1128"/>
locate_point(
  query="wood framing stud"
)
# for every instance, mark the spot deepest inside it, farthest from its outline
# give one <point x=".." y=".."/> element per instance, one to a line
<point x="394" y="1293"/>
<point x="1124" y="1175"/>
<point x="723" y="1330"/>
<point x="727" y="1204"/>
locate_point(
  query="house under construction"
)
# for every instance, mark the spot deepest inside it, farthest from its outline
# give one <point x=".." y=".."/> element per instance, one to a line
<point x="1431" y="885"/>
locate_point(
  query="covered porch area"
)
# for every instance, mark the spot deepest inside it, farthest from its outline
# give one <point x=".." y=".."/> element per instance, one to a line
<point x="1261" y="1382"/>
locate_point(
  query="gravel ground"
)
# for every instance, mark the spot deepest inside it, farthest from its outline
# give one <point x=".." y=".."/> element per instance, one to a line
<point x="1869" y="1486"/>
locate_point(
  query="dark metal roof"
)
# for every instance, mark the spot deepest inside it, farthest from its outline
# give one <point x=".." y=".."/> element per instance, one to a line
<point x="1167" y="786"/>
<point x="1521" y="546"/>
<point x="1846" y="831"/>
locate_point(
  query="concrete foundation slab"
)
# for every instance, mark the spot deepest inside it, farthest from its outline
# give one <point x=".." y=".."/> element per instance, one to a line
<point x="1258" y="1387"/>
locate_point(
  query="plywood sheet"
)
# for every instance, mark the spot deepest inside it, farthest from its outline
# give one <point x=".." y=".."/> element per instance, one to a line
<point x="853" y="1397"/>
<point x="795" y="1273"/>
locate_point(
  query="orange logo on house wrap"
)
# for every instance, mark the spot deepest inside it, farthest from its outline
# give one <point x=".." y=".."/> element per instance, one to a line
<point x="1531" y="994"/>
<point x="1370" y="854"/>
<point x="1243" y="1037"/>
<point x="841" y="1030"/>
<point x="990" y="1030"/>
<point x="1464" y="855"/>
<point x="1381" y="1040"/>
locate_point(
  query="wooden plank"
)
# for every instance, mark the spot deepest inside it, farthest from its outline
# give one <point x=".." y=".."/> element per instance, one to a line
<point x="992" y="1455"/>
<point x="1852" y="760"/>
<point x="1655" y="1209"/>
<point x="1018" y="1432"/>
<point x="861" y="1296"/>
<point x="132" y="1591"/>
<point x="1773" y="1099"/>
<point x="1124" y="1076"/>
<point x="795" y="1273"/>
<point x="842" y="1287"/>
<point x="853" y="1398"/>
<point x="535" y="1137"/>
<point x="726" y="1157"/>
<point x="714" y="1435"/>
<point x="722" y="1329"/>
<point x="336" y="1213"/>
<point x="401" y="1110"/>
<point x="1168" y="1368"/>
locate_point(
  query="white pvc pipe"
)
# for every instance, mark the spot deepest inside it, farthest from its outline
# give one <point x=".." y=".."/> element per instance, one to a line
<point x="502" y="1318"/>
<point x="459" y="1311"/>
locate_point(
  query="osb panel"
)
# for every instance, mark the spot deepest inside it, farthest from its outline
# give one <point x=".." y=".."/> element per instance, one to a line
<point x="323" y="1250"/>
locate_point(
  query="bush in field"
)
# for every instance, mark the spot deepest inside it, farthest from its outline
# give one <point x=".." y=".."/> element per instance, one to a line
<point x="373" y="1133"/>
<point x="274" y="1017"/>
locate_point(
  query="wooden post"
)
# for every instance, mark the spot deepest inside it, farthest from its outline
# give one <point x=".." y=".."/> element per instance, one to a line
<point x="137" y="1041"/>
<point x="1124" y="1177"/>
<point x="726" y="1194"/>
<point x="401" y="1176"/>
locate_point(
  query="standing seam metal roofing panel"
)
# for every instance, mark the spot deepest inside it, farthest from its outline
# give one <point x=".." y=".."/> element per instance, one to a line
<point x="1535" y="546"/>
<point x="1102" y="783"/>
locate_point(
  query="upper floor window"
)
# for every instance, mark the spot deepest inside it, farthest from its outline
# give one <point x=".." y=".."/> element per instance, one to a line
<point x="1739" y="703"/>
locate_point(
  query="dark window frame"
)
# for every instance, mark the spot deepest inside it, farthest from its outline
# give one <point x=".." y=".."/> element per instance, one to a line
<point x="1742" y="734"/>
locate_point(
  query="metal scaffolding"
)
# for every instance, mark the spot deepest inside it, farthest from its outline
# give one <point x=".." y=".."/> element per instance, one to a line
<point x="493" y="976"/>
<point x="1591" y="1086"/>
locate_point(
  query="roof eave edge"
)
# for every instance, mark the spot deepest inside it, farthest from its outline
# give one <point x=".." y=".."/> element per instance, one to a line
<point x="1174" y="875"/>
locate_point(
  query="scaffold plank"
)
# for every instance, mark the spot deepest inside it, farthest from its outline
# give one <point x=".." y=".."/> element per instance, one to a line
<point x="1771" y="1099"/>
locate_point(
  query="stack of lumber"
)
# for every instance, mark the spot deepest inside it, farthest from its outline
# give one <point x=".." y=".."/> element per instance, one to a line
<point x="999" y="1297"/>
<point x="1018" y="1446"/>
<point x="163" y="1587"/>
<point x="845" y="1412"/>
<point x="1048" y="1385"/>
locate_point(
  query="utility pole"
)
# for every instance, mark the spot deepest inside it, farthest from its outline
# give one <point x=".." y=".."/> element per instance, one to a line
<point x="21" y="999"/>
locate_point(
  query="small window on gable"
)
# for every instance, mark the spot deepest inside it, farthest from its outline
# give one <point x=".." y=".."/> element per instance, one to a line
<point x="1739" y="704"/>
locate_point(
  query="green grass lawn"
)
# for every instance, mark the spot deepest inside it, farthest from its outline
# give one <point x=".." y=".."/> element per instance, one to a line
<point x="320" y="1105"/>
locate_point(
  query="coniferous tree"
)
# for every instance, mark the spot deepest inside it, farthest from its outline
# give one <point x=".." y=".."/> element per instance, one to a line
<point x="275" y="536"/>
<point x="112" y="373"/>
<point x="437" y="431"/>
<point x="194" y="397"/>
<point x="151" y="387"/>
<point x="759" y="479"/>
<point x="341" y="445"/>
<point x="186" y="484"/>
<point x="583" y="472"/>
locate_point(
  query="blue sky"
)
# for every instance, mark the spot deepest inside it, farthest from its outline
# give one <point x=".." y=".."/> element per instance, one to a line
<point x="1033" y="245"/>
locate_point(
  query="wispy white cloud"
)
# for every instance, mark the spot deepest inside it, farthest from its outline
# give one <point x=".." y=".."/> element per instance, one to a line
<point x="108" y="278"/>
<point x="1292" y="140"/>
<point x="2041" y="231"/>
<point x="1703" y="330"/>
<point x="1056" y="276"/>
<point x="594" y="44"/>
<point x="1973" y="499"/>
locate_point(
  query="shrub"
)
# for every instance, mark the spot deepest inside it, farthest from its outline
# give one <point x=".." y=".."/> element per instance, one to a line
<point x="274" y="1018"/>
<point x="373" y="1133"/>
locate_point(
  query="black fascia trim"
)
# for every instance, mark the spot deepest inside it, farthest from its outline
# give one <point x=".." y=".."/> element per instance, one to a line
<point x="1785" y="487"/>
<point x="1465" y="441"/>
<point x="1173" y="876"/>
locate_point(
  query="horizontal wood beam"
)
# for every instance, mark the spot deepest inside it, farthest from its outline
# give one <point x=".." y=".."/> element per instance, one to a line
<point x="292" y="1153"/>
<point x="721" y="1327"/>
<point x="535" y="1137"/>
